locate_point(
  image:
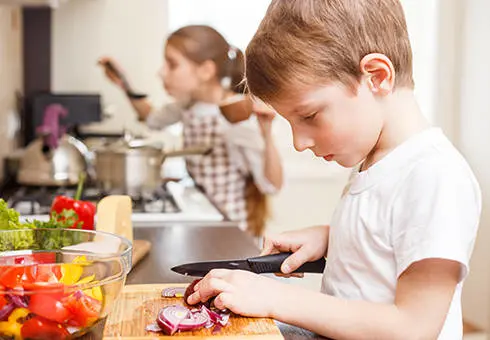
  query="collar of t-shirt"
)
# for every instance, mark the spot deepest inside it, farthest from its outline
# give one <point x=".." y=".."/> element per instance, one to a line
<point x="400" y="157"/>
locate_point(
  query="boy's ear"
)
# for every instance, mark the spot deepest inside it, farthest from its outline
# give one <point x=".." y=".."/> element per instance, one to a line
<point x="380" y="73"/>
<point x="207" y="70"/>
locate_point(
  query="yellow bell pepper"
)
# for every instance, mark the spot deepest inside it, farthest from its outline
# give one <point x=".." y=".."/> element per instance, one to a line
<point x="12" y="327"/>
<point x="95" y="292"/>
<point x="70" y="273"/>
<point x="86" y="279"/>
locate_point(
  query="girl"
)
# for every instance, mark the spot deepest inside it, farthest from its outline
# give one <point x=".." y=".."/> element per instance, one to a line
<point x="399" y="244"/>
<point x="201" y="71"/>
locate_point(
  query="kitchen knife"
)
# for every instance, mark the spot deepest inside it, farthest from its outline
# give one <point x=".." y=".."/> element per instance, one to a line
<point x="260" y="265"/>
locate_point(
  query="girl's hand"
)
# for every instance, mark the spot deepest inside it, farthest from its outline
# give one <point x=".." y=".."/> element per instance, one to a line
<point x="242" y="292"/>
<point x="113" y="71"/>
<point x="308" y="244"/>
<point x="265" y="115"/>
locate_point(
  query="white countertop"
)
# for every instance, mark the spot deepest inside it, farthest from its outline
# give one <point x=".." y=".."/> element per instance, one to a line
<point x="194" y="207"/>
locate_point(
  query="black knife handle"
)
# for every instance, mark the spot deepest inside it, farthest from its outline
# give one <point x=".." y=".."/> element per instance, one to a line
<point x="272" y="264"/>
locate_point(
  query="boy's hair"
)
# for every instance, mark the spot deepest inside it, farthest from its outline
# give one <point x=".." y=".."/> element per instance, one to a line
<point x="200" y="43"/>
<point x="314" y="42"/>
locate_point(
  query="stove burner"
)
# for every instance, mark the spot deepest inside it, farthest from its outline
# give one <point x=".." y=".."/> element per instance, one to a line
<point x="29" y="200"/>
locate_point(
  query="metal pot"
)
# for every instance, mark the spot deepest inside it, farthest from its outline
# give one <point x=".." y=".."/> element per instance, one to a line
<point x="132" y="167"/>
<point x="42" y="165"/>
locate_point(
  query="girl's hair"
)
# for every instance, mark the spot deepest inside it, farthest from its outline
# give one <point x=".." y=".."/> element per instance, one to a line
<point x="200" y="43"/>
<point x="257" y="205"/>
<point x="315" y="42"/>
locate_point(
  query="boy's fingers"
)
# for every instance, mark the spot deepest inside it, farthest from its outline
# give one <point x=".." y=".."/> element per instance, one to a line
<point x="294" y="261"/>
<point x="223" y="301"/>
<point x="208" y="288"/>
<point x="267" y="248"/>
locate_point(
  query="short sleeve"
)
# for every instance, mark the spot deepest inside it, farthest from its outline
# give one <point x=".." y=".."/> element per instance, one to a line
<point x="165" y="116"/>
<point x="436" y="215"/>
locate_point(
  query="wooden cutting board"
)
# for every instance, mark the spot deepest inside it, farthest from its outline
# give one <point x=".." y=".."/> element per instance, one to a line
<point x="138" y="306"/>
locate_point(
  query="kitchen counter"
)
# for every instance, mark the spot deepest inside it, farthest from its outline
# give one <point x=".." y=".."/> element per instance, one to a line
<point x="194" y="207"/>
<point x="173" y="245"/>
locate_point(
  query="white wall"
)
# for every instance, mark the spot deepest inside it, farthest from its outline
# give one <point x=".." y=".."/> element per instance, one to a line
<point x="474" y="139"/>
<point x="10" y="75"/>
<point x="131" y="31"/>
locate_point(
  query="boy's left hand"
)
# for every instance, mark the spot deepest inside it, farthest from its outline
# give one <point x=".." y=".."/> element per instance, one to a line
<point x="242" y="292"/>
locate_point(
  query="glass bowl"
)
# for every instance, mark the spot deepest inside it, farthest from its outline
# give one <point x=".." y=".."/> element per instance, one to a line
<point x="59" y="283"/>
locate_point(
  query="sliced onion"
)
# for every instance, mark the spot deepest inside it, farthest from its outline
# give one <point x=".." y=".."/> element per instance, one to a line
<point x="170" y="317"/>
<point x="78" y="294"/>
<point x="225" y="317"/>
<point x="171" y="292"/>
<point x="6" y="311"/>
<point x="216" y="318"/>
<point x="194" y="321"/>
<point x="217" y="328"/>
<point x="153" y="327"/>
<point x="72" y="329"/>
<point x="18" y="301"/>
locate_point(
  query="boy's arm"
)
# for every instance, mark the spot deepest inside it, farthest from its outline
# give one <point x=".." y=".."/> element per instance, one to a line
<point x="423" y="295"/>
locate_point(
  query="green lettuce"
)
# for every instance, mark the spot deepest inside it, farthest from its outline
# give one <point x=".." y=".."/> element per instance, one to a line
<point x="28" y="238"/>
<point x="9" y="218"/>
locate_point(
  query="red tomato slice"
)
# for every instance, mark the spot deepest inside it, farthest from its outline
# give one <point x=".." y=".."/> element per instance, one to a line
<point x="35" y="258"/>
<point x="41" y="329"/>
<point x="11" y="276"/>
<point x="3" y="301"/>
<point x="84" y="309"/>
<point x="49" y="307"/>
<point x="44" y="258"/>
<point x="48" y="273"/>
<point x="55" y="289"/>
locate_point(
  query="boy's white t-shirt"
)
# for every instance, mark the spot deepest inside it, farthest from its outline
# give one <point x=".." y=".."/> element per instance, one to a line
<point x="420" y="201"/>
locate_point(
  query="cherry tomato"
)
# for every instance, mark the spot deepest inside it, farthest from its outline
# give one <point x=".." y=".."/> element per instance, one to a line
<point x="39" y="328"/>
<point x="49" y="306"/>
<point x="84" y="309"/>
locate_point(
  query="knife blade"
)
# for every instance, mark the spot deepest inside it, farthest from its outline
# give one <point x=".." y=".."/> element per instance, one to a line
<point x="260" y="265"/>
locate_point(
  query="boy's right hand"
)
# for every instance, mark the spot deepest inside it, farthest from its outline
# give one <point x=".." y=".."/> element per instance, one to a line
<point x="113" y="71"/>
<point x="308" y="244"/>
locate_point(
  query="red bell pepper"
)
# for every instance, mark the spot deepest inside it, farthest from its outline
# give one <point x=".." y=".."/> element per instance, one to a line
<point x="80" y="214"/>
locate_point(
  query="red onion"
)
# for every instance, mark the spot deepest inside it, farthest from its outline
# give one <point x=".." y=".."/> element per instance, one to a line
<point x="217" y="328"/>
<point x="194" y="321"/>
<point x="170" y="317"/>
<point x="78" y="294"/>
<point x="6" y="311"/>
<point x="171" y="292"/>
<point x="175" y="318"/>
<point x="216" y="318"/>
<point x="190" y="289"/>
<point x="153" y="327"/>
<point x="18" y="301"/>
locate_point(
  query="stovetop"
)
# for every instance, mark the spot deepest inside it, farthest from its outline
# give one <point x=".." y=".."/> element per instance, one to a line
<point x="33" y="200"/>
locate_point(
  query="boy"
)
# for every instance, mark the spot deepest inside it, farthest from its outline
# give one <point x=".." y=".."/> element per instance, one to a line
<point x="400" y="241"/>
